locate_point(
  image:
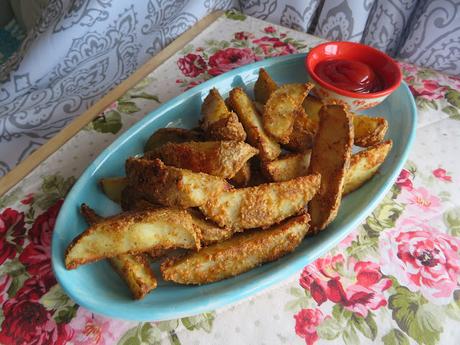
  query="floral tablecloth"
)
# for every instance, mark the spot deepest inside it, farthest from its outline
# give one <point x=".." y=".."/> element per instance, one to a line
<point x="395" y="280"/>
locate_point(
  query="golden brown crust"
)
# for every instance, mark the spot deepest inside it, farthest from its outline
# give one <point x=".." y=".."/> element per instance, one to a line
<point x="369" y="130"/>
<point x="287" y="167"/>
<point x="243" y="176"/>
<point x="133" y="269"/>
<point x="218" y="158"/>
<point x="261" y="206"/>
<point x="303" y="132"/>
<point x="330" y="157"/>
<point x="264" y="87"/>
<point x="172" y="135"/>
<point x="171" y="186"/>
<point x="132" y="233"/>
<point x="218" y="122"/>
<point x="364" y="165"/>
<point x="252" y="123"/>
<point x="281" y="110"/>
<point x="239" y="254"/>
<point x="210" y="233"/>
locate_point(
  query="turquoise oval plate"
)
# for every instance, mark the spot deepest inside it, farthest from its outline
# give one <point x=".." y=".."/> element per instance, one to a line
<point x="98" y="288"/>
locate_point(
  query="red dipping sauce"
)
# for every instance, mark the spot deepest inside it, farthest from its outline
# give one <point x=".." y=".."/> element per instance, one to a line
<point x="349" y="75"/>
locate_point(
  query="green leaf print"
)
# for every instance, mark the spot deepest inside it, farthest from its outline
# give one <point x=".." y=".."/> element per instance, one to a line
<point x="66" y="314"/>
<point x="144" y="333"/>
<point x="395" y="337"/>
<point x="53" y="188"/>
<point x="108" y="123"/>
<point x="366" y="326"/>
<point x="329" y="329"/>
<point x="350" y="337"/>
<point x="202" y="321"/>
<point x="10" y="198"/>
<point x="301" y="300"/>
<point x="145" y="95"/>
<point x="453" y="112"/>
<point x="453" y="309"/>
<point x="418" y="318"/>
<point x="235" y="15"/>
<point x="452" y="221"/>
<point x="127" y="107"/>
<point x="55" y="298"/>
<point x="453" y="97"/>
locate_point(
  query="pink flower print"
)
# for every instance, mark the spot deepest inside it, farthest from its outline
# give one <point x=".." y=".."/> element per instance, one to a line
<point x="93" y="329"/>
<point x="441" y="174"/>
<point x="420" y="202"/>
<point x="306" y="322"/>
<point x="404" y="180"/>
<point x="421" y="258"/>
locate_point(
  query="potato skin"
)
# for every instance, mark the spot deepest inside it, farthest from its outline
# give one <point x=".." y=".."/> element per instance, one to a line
<point x="218" y="158"/>
<point x="264" y="87"/>
<point x="268" y="148"/>
<point x="281" y="110"/>
<point x="218" y="122"/>
<point x="364" y="165"/>
<point x="132" y="233"/>
<point x="330" y="157"/>
<point x="261" y="206"/>
<point x="369" y="130"/>
<point x="172" y="135"/>
<point x="171" y="186"/>
<point x="135" y="270"/>
<point x="237" y="255"/>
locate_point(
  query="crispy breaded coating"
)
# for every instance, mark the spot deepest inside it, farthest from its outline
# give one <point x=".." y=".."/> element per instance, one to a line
<point x="261" y="206"/>
<point x="218" y="158"/>
<point x="171" y="186"/>
<point x="133" y="269"/>
<point x="237" y="255"/>
<point x="264" y="87"/>
<point x="287" y="167"/>
<point x="218" y="122"/>
<point x="303" y="132"/>
<point x="269" y="149"/>
<point x="330" y="157"/>
<point x="132" y="233"/>
<point x="281" y="110"/>
<point x="364" y="165"/>
<point x="243" y="176"/>
<point x="172" y="135"/>
<point x="369" y="130"/>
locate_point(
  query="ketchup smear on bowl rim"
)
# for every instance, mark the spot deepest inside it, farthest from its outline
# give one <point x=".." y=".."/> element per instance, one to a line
<point x="349" y="75"/>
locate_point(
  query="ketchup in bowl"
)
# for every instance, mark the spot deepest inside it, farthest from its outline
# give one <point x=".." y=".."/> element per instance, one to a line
<point x="349" y="75"/>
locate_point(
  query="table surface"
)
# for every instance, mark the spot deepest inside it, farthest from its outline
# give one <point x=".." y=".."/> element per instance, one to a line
<point x="394" y="280"/>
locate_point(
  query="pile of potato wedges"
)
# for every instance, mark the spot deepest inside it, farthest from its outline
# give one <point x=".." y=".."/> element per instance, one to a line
<point x="242" y="189"/>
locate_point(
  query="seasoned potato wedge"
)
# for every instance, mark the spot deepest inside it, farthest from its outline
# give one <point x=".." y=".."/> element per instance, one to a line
<point x="269" y="149"/>
<point x="369" y="130"/>
<point x="113" y="187"/>
<point x="287" y="167"/>
<point x="242" y="177"/>
<point x="218" y="122"/>
<point x="218" y="158"/>
<point x="132" y="233"/>
<point x="136" y="272"/>
<point x="303" y="132"/>
<point x="330" y="157"/>
<point x="261" y="206"/>
<point x="264" y="87"/>
<point x="237" y="255"/>
<point x="364" y="165"/>
<point x="281" y="110"/>
<point x="172" y="135"/>
<point x="171" y="186"/>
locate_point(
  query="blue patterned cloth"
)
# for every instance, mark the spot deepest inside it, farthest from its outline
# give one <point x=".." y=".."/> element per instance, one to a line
<point x="80" y="49"/>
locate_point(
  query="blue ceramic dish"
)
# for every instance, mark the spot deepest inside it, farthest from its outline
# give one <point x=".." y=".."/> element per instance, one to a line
<point x="98" y="288"/>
